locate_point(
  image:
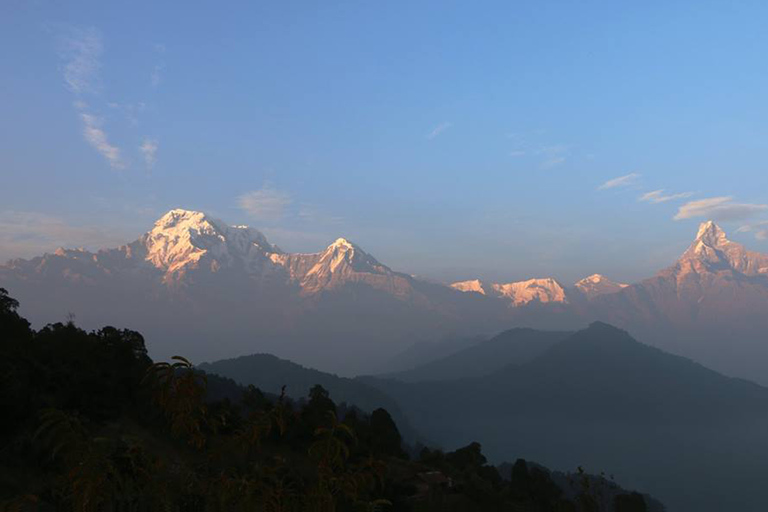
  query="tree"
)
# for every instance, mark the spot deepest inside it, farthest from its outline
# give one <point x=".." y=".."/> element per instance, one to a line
<point x="13" y="328"/>
<point x="8" y="304"/>
<point x="385" y="438"/>
<point x="633" y="502"/>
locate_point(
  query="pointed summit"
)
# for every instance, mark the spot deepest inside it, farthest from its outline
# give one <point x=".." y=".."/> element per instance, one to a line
<point x="711" y="234"/>
<point x="712" y="251"/>
<point x="342" y="243"/>
<point x="343" y="254"/>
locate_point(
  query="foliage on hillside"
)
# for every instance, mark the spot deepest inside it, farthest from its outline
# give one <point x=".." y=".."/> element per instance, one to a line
<point x="92" y="424"/>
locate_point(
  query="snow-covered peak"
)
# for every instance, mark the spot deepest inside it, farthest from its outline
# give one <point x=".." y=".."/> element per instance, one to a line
<point x="342" y="243"/>
<point x="181" y="219"/>
<point x="473" y="285"/>
<point x="712" y="251"/>
<point x="598" y="284"/>
<point x="522" y="292"/>
<point x="343" y="254"/>
<point x="711" y="235"/>
<point x="517" y="293"/>
<point x="341" y="263"/>
<point x="181" y="238"/>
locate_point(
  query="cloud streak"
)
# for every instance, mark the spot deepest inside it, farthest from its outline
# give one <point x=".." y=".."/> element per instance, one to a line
<point x="719" y="208"/>
<point x="658" y="196"/>
<point x="265" y="204"/>
<point x="27" y="234"/>
<point x="439" y="129"/>
<point x="622" y="181"/>
<point x="760" y="229"/>
<point x="97" y="138"/>
<point x="148" y="150"/>
<point x="80" y="50"/>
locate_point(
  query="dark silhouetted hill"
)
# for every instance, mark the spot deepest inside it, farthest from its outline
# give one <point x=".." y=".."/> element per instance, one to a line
<point x="270" y="374"/>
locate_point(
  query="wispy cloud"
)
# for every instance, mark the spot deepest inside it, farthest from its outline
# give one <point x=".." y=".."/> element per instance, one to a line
<point x="622" y="181"/>
<point x="554" y="155"/>
<point x="658" y="196"/>
<point x="155" y="77"/>
<point x="437" y="130"/>
<point x="719" y="208"/>
<point x="148" y="150"/>
<point x="760" y="229"/>
<point x="97" y="138"/>
<point x="530" y="144"/>
<point x="80" y="50"/>
<point x="27" y="234"/>
<point x="265" y="204"/>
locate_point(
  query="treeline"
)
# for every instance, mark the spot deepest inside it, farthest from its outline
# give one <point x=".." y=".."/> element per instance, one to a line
<point x="90" y="423"/>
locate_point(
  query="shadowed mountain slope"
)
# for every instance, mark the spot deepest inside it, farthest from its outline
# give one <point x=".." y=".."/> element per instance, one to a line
<point x="513" y="347"/>
<point x="601" y="399"/>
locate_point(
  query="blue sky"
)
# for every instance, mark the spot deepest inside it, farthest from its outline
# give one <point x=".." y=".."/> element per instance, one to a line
<point x="449" y="139"/>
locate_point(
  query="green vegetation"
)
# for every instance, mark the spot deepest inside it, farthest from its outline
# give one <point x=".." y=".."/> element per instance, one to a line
<point x="92" y="424"/>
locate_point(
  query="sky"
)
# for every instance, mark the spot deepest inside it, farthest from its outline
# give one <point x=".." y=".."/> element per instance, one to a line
<point x="453" y="140"/>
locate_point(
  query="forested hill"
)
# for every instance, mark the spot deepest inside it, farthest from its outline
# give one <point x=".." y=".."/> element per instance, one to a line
<point x="92" y="424"/>
<point x="270" y="374"/>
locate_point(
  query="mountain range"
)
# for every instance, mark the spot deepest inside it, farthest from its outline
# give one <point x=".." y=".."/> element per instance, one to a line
<point x="192" y="277"/>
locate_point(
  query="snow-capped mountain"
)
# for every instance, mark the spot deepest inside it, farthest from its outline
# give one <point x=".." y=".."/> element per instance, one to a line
<point x="543" y="290"/>
<point x="712" y="252"/>
<point x="341" y="263"/>
<point x="183" y="240"/>
<point x="711" y="305"/>
<point x="192" y="277"/>
<point x="199" y="287"/>
<point x="546" y="290"/>
<point x="597" y="284"/>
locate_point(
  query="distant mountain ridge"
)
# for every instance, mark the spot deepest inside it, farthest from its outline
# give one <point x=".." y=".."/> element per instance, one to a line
<point x="542" y="290"/>
<point x="191" y="277"/>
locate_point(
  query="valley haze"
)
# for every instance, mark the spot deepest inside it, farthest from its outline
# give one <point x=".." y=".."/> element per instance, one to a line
<point x="192" y="277"/>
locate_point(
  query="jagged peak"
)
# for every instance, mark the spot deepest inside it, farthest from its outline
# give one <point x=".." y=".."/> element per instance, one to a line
<point x="472" y="285"/>
<point x="182" y="237"/>
<point x="711" y="234"/>
<point x="179" y="216"/>
<point x="342" y="243"/>
<point x="594" y="278"/>
<point x="710" y="244"/>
